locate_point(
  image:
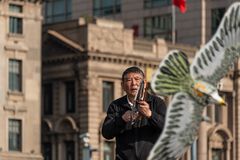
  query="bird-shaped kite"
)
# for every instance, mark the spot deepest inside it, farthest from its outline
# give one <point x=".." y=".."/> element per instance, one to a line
<point x="194" y="86"/>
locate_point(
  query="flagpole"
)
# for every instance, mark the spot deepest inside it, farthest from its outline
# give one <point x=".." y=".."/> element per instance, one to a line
<point x="173" y="25"/>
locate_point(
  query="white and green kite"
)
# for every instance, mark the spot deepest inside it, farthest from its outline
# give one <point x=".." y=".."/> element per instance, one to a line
<point x="194" y="86"/>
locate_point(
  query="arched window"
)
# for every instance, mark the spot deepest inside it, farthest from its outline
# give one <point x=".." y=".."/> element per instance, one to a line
<point x="220" y="139"/>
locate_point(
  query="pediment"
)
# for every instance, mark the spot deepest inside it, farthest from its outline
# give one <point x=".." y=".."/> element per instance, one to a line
<point x="56" y="44"/>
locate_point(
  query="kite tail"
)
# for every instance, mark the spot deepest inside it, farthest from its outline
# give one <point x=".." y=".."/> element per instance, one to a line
<point x="173" y="74"/>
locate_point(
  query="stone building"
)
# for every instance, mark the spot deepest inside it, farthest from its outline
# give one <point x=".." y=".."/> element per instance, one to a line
<point x="148" y="18"/>
<point x="20" y="90"/>
<point x="83" y="62"/>
<point x="82" y="66"/>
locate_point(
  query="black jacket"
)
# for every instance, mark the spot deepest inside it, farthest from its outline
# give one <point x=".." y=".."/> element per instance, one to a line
<point x="134" y="142"/>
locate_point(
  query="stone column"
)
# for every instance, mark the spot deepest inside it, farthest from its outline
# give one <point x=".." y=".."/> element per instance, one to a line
<point x="82" y="104"/>
<point x="94" y="110"/>
<point x="202" y="142"/>
<point x="228" y="149"/>
<point x="210" y="150"/>
<point x="236" y="118"/>
<point x="203" y="22"/>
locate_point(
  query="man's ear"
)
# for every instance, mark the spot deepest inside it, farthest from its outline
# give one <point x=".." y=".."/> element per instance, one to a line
<point x="122" y="85"/>
<point x="123" y="88"/>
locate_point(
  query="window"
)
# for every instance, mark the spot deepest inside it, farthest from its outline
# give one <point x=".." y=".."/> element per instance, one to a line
<point x="194" y="150"/>
<point x="15" y="75"/>
<point x="15" y="19"/>
<point x="160" y="26"/>
<point x="58" y="10"/>
<point x="135" y="30"/>
<point x="106" y="7"/>
<point x="217" y="15"/>
<point x="156" y="3"/>
<point x="15" y="135"/>
<point x="70" y="97"/>
<point x="48" y="99"/>
<point x="15" y="25"/>
<point x="108" y="92"/>
<point x="70" y="150"/>
<point x="229" y="110"/>
<point x="218" y="114"/>
<point x="108" y="150"/>
<point x="218" y="154"/>
<point x="47" y="151"/>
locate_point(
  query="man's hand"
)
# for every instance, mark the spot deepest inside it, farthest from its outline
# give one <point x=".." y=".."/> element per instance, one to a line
<point x="129" y="116"/>
<point x="144" y="109"/>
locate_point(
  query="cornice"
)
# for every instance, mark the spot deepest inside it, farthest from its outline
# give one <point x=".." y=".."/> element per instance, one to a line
<point x="105" y="58"/>
<point x="123" y="59"/>
<point x="64" y="59"/>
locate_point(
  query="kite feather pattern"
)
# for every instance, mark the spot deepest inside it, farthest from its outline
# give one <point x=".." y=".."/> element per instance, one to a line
<point x="194" y="86"/>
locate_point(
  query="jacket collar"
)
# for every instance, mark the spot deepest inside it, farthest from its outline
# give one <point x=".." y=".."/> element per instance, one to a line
<point x="148" y="98"/>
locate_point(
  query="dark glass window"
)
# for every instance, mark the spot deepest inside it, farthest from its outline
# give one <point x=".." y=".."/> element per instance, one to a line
<point x="15" y="8"/>
<point x="108" y="94"/>
<point x="108" y="150"/>
<point x="15" y="75"/>
<point x="218" y="154"/>
<point x="15" y="22"/>
<point x="15" y="135"/>
<point x="70" y="97"/>
<point x="48" y="99"/>
<point x="217" y="15"/>
<point x="158" y="26"/>
<point x="230" y="110"/>
<point x="156" y="3"/>
<point x="70" y="150"/>
<point x="218" y="114"/>
<point x="194" y="150"/>
<point x="15" y="25"/>
<point x="58" y="10"/>
<point x="47" y="151"/>
<point x="135" y="30"/>
<point x="106" y="7"/>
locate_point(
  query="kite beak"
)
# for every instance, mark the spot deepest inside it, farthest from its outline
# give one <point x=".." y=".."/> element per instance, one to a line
<point x="219" y="100"/>
<point x="222" y="102"/>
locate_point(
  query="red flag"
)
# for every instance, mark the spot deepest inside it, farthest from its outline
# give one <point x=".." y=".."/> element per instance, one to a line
<point x="181" y="4"/>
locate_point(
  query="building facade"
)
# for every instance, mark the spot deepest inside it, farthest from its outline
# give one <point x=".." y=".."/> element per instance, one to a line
<point x="82" y="67"/>
<point x="148" y="18"/>
<point x="83" y="59"/>
<point x="20" y="69"/>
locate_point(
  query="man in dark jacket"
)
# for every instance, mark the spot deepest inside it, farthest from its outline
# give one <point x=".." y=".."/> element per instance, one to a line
<point x="135" y="132"/>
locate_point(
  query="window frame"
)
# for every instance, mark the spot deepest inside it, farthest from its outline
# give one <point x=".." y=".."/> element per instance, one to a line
<point x="105" y="10"/>
<point x="106" y="103"/>
<point x="48" y="99"/>
<point x="158" y="23"/>
<point x="49" y="152"/>
<point x="15" y="20"/>
<point x="216" y="19"/>
<point x="156" y="3"/>
<point x="51" y="16"/>
<point x="12" y="79"/>
<point x="70" y="91"/>
<point x="70" y="150"/>
<point x="219" y="152"/>
<point x="19" y="140"/>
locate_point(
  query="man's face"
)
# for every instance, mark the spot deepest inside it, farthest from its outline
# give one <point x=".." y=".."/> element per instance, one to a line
<point x="131" y="83"/>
